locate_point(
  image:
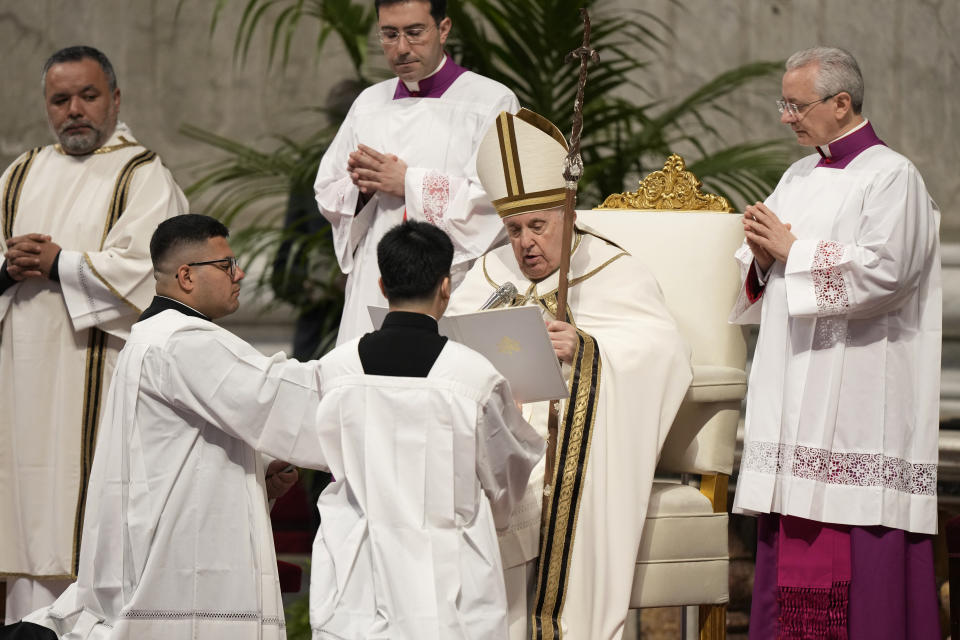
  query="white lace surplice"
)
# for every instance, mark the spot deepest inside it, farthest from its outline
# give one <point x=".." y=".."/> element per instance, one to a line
<point x="437" y="138"/>
<point x="843" y="402"/>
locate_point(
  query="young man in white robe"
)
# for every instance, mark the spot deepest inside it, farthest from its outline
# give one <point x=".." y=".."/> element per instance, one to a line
<point x="628" y="369"/>
<point x="841" y="268"/>
<point x="406" y="152"/>
<point x="177" y="540"/>
<point x="430" y="454"/>
<point x="75" y="220"/>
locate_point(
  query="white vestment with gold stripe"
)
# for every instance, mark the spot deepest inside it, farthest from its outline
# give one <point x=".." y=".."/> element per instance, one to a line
<point x="641" y="369"/>
<point x="60" y="340"/>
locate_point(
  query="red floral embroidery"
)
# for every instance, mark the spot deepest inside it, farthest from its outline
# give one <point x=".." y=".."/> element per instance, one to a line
<point x="436" y="197"/>
<point x="828" y="284"/>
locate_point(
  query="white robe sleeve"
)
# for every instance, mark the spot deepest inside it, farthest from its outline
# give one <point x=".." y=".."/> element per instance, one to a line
<point x="7" y="296"/>
<point x="507" y="450"/>
<point x="337" y="195"/>
<point x="457" y="203"/>
<point x="269" y="403"/>
<point x="895" y="238"/>
<point x="746" y="311"/>
<point x="108" y="287"/>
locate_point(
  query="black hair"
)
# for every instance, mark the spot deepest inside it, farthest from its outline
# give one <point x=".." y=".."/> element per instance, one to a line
<point x="438" y="8"/>
<point x="175" y="232"/>
<point x="414" y="257"/>
<point x="76" y="54"/>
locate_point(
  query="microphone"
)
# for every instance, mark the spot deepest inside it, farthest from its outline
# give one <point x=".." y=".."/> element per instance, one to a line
<point x="504" y="294"/>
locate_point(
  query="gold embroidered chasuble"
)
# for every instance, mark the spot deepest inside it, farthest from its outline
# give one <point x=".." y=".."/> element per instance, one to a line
<point x="626" y="382"/>
<point x="59" y="341"/>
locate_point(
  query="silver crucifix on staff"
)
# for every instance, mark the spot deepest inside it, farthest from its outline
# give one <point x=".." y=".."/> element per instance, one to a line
<point x="572" y="170"/>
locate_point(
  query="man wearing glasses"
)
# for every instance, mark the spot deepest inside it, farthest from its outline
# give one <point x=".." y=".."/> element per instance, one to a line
<point x="841" y="269"/>
<point x="406" y="151"/>
<point x="177" y="539"/>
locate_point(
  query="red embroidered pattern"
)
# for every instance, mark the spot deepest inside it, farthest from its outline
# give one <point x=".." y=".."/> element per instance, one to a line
<point x="436" y="197"/>
<point x="832" y="467"/>
<point x="828" y="284"/>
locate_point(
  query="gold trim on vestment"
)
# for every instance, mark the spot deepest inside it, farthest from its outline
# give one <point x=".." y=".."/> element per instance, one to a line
<point x="558" y="531"/>
<point x="518" y="299"/>
<point x="13" y="189"/>
<point x="123" y="299"/>
<point x="122" y="189"/>
<point x="124" y="143"/>
<point x="92" y="392"/>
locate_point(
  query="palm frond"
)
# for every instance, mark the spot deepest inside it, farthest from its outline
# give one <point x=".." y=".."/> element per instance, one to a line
<point x="522" y="44"/>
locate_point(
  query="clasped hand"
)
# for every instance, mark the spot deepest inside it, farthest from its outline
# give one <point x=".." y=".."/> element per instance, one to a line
<point x="30" y="256"/>
<point x="373" y="171"/>
<point x="769" y="239"/>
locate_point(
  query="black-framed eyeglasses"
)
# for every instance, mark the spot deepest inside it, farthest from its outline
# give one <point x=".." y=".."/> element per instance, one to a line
<point x="413" y="35"/>
<point x="796" y="109"/>
<point x="230" y="267"/>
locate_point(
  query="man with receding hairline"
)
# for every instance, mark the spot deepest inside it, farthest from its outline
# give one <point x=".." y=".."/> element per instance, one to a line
<point x="841" y="268"/>
<point x="75" y="219"/>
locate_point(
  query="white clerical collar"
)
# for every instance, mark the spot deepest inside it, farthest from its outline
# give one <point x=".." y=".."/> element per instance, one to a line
<point x="825" y="149"/>
<point x="415" y="84"/>
<point x="183" y="304"/>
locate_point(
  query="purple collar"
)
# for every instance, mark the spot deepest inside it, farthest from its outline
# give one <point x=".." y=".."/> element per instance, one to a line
<point x="839" y="153"/>
<point x="435" y="85"/>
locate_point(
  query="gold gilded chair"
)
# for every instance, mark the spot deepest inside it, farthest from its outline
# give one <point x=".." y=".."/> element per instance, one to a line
<point x="687" y="239"/>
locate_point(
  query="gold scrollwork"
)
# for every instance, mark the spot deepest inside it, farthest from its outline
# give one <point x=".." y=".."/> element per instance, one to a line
<point x="671" y="189"/>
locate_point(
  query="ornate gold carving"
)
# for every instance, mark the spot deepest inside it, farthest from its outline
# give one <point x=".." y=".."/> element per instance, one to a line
<point x="671" y="189"/>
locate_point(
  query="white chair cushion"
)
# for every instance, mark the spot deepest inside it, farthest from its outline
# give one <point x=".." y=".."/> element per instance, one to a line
<point x="683" y="550"/>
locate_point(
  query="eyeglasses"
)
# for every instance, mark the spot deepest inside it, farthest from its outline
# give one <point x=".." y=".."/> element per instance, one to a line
<point x="230" y="268"/>
<point x="796" y="109"/>
<point x="413" y="35"/>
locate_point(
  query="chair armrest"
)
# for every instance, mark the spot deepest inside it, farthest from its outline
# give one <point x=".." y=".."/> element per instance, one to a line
<point x="716" y="384"/>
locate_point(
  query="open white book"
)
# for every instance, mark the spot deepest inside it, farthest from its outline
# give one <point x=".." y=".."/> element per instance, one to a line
<point x="514" y="340"/>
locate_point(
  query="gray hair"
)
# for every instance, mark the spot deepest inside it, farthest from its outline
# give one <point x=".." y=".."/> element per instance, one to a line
<point x="838" y="71"/>
<point x="76" y="54"/>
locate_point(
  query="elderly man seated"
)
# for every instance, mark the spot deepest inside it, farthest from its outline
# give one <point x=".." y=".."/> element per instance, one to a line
<point x="627" y="369"/>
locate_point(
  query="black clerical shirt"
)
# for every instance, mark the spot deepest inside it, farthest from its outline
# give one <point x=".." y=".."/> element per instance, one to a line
<point x="407" y="344"/>
<point x="162" y="303"/>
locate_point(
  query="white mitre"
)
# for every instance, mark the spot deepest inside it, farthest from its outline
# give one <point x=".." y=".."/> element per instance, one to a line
<point x="520" y="163"/>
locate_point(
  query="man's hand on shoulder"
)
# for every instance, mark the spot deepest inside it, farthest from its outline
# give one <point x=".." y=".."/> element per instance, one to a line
<point x="373" y="171"/>
<point x="563" y="337"/>
<point x="30" y="256"/>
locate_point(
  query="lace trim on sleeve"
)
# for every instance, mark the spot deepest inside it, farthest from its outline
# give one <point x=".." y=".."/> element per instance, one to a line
<point x="436" y="198"/>
<point x="828" y="284"/>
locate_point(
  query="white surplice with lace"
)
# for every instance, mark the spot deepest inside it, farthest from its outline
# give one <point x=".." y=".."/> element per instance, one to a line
<point x="437" y="138"/>
<point x="843" y="401"/>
